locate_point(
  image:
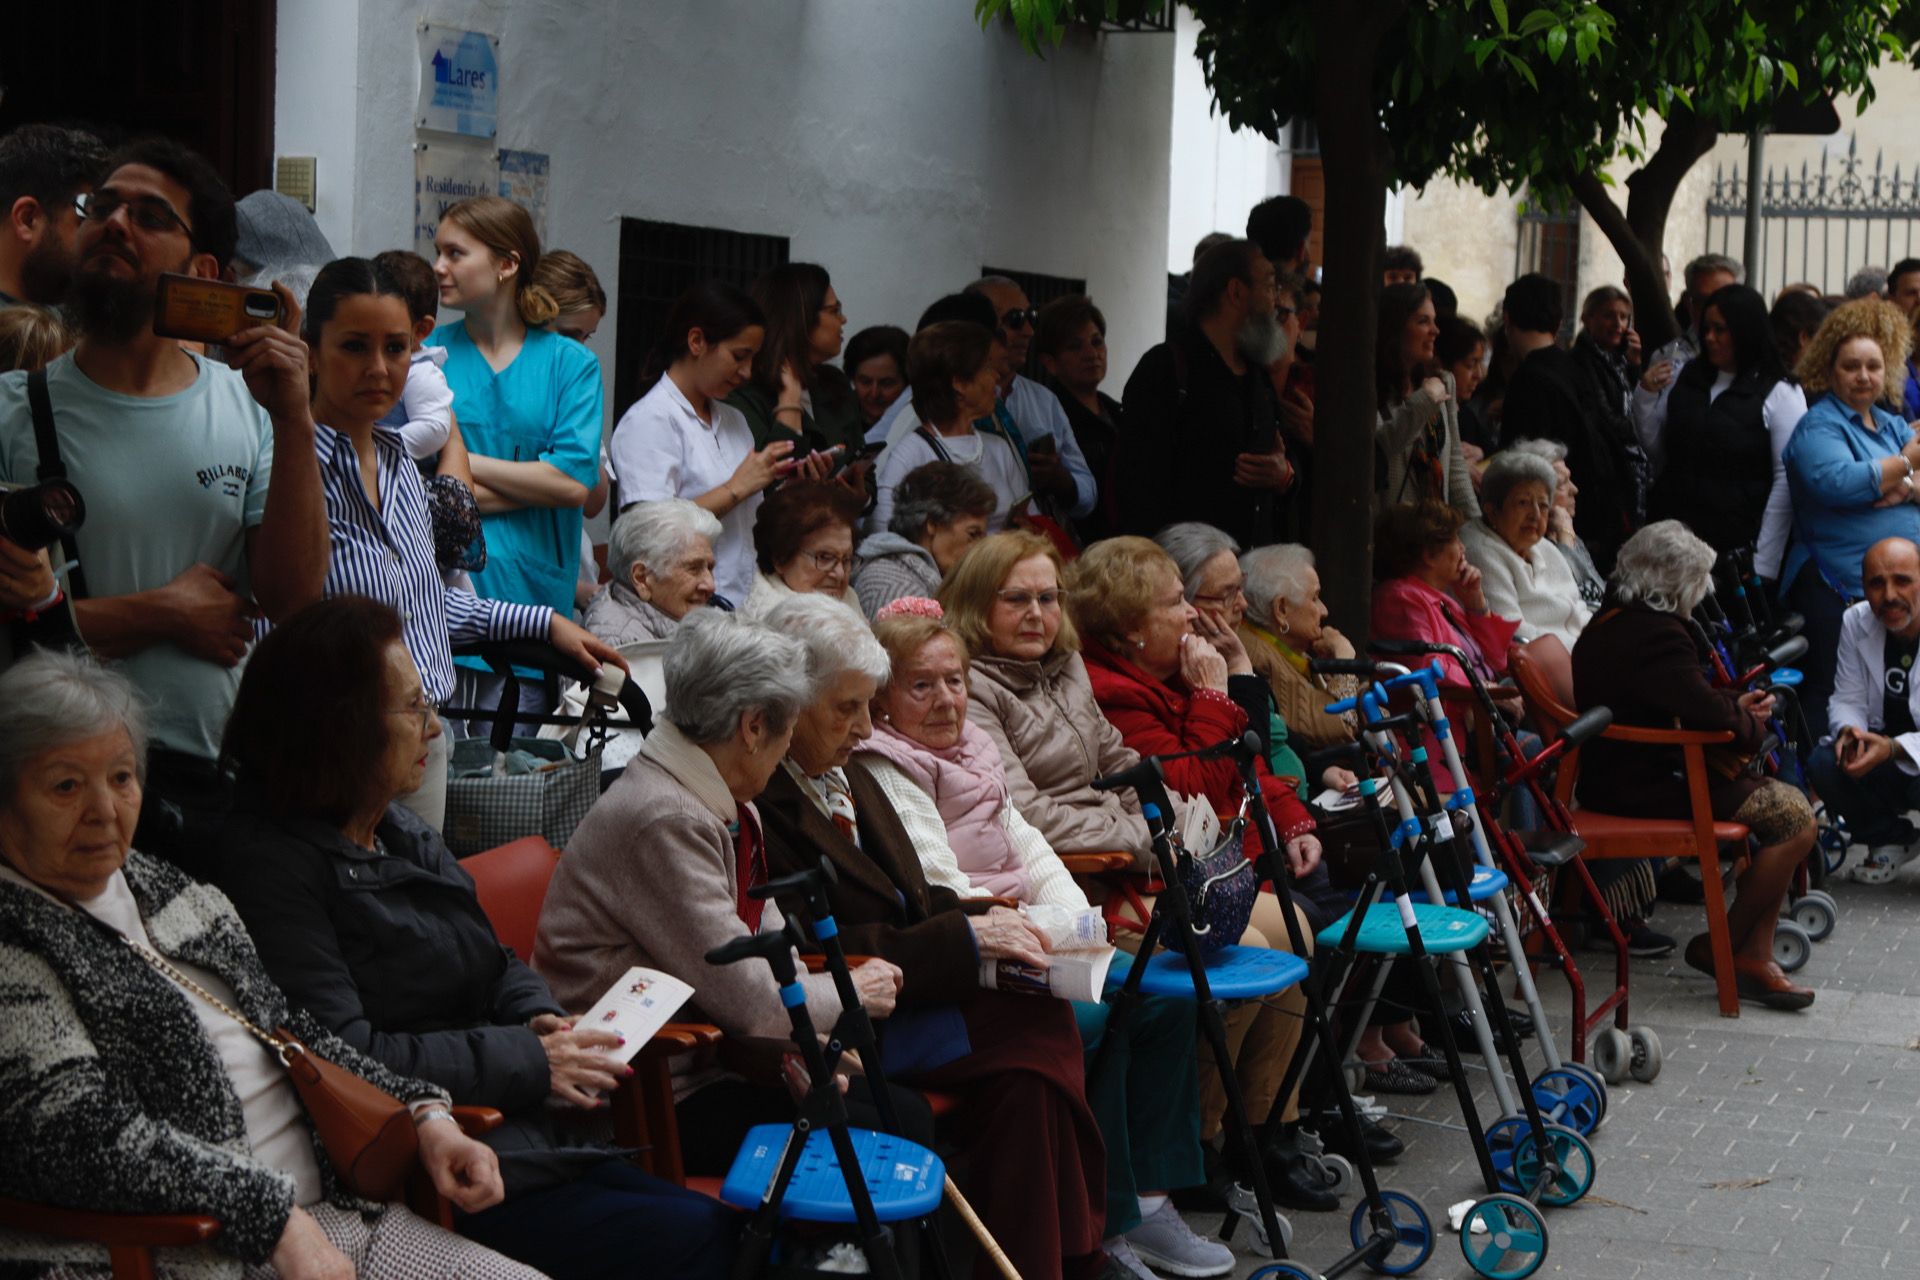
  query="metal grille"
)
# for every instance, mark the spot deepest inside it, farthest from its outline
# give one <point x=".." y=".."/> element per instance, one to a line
<point x="1549" y="243"/>
<point x="659" y="261"/>
<point x="1819" y="225"/>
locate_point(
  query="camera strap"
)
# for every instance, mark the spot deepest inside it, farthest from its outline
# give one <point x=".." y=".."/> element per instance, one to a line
<point x="47" y="441"/>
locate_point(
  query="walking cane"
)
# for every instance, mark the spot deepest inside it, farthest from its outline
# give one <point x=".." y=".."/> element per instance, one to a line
<point x="980" y="1232"/>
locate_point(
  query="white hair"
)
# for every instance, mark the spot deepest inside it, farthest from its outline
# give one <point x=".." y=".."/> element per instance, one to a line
<point x="720" y="666"/>
<point x="1192" y="544"/>
<point x="51" y="699"/>
<point x="1273" y="574"/>
<point x="656" y="534"/>
<point x="1509" y="470"/>
<point x="836" y="638"/>
<point x="1552" y="450"/>
<point x="1665" y="566"/>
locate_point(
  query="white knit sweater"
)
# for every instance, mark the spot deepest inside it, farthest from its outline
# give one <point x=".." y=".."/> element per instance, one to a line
<point x="1538" y="588"/>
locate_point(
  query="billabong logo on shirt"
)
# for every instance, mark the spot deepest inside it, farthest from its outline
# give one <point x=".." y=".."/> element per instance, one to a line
<point x="231" y="477"/>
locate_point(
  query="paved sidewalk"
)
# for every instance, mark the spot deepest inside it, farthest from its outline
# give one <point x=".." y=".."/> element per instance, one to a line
<point x="1774" y="1146"/>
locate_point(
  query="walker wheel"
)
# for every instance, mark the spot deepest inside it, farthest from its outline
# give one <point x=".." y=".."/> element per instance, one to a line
<point x="1565" y="1097"/>
<point x="1356" y="1079"/>
<point x="1284" y="1271"/>
<point x="1613" y="1054"/>
<point x="1792" y="946"/>
<point x="1503" y="1136"/>
<point x="1339" y="1174"/>
<point x="1503" y="1238"/>
<point x="1570" y="1152"/>
<point x="1646" y="1053"/>
<point x="1243" y="1202"/>
<point x="1817" y="913"/>
<point x="1594" y="1078"/>
<point x="1412" y="1231"/>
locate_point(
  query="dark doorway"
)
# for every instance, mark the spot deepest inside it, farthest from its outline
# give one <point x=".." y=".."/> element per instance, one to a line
<point x="659" y="261"/>
<point x="198" y="70"/>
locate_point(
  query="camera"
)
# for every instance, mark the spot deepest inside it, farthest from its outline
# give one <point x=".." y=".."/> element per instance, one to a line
<point x="37" y="516"/>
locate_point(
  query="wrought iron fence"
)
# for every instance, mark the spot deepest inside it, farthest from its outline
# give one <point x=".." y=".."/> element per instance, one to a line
<point x="1819" y="225"/>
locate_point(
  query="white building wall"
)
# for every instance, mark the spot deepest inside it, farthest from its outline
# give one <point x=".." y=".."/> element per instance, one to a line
<point x="898" y="145"/>
<point x="1218" y="173"/>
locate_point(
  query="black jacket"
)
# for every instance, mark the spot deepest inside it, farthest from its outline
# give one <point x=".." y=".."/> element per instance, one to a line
<point x="1096" y="434"/>
<point x="394" y="953"/>
<point x="1550" y="397"/>
<point x="1188" y="417"/>
<point x="1719" y="467"/>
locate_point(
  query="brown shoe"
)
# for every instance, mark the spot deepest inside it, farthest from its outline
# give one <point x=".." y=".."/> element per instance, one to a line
<point x="1768" y="984"/>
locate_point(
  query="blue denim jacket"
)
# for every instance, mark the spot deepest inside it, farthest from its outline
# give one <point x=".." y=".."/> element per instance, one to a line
<point x="1833" y="468"/>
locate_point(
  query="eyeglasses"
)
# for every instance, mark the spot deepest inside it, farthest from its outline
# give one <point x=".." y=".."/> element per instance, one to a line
<point x="827" y="561"/>
<point x="420" y="709"/>
<point x="1238" y="591"/>
<point x="1024" y="600"/>
<point x="1019" y="318"/>
<point x="149" y="213"/>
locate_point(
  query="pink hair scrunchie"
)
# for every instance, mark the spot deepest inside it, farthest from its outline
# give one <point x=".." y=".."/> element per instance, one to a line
<point x="911" y="607"/>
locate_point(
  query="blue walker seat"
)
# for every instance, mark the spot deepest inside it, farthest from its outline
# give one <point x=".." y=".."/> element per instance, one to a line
<point x="1233" y="973"/>
<point x="1442" y="930"/>
<point x="1789" y="676"/>
<point x="905" y="1179"/>
<point x="1486" y="882"/>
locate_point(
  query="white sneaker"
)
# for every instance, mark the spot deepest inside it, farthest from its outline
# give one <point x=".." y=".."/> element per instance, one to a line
<point x="1122" y="1260"/>
<point x="1169" y="1245"/>
<point x="1882" y="861"/>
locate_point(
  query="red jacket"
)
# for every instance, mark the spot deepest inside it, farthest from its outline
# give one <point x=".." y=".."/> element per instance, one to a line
<point x="1155" y="718"/>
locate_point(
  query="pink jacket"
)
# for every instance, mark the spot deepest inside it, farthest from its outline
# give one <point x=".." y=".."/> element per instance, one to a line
<point x="968" y="783"/>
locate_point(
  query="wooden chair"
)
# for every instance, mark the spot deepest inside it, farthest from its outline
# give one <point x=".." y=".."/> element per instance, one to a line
<point x="1543" y="672"/>
<point x="1111" y="873"/>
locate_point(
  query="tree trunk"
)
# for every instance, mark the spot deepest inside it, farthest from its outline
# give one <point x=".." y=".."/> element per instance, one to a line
<point x="1353" y="151"/>
<point x="1638" y="235"/>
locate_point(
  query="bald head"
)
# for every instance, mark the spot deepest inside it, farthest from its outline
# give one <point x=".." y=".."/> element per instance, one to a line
<point x="1890" y="575"/>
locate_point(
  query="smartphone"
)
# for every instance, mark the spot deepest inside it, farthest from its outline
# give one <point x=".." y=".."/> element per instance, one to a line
<point x="210" y="310"/>
<point x="1046" y="445"/>
<point x="858" y="454"/>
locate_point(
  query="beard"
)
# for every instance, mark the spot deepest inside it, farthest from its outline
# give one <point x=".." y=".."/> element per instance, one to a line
<point x="1261" y="340"/>
<point x="110" y="308"/>
<point x="47" y="273"/>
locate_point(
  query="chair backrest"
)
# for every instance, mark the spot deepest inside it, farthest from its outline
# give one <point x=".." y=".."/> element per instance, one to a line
<point x="511" y="882"/>
<point x="1544" y="671"/>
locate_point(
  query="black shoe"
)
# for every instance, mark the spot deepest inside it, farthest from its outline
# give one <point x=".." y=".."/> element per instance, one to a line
<point x="1295" y="1185"/>
<point x="1210" y="1196"/>
<point x="1675" y="885"/>
<point x="1382" y="1145"/>
<point x="1467" y="1041"/>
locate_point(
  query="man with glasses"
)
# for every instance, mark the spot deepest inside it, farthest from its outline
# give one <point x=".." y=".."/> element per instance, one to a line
<point x="204" y="505"/>
<point x="1202" y="439"/>
<point x="42" y="169"/>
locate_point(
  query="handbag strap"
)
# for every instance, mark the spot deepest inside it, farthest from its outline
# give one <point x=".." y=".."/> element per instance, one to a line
<point x="281" y="1047"/>
<point x="47" y="441"/>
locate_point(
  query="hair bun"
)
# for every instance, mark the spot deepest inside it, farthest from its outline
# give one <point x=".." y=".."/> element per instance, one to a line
<point x="537" y="307"/>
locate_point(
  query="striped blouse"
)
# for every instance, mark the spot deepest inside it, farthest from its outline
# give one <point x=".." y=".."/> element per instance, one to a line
<point x="387" y="555"/>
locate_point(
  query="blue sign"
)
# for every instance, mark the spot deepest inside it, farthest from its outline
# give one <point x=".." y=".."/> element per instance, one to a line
<point x="459" y="82"/>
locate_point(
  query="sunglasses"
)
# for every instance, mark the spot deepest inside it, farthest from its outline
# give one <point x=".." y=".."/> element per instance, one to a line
<point x="1019" y="318"/>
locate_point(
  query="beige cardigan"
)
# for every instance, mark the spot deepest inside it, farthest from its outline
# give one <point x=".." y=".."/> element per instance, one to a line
<point x="649" y="880"/>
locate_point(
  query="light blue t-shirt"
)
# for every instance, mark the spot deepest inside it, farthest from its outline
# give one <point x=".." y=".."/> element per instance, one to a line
<point x="543" y="407"/>
<point x="169" y="482"/>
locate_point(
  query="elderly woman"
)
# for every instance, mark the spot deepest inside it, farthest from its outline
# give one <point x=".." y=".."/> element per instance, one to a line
<point x="1014" y="1062"/>
<point x="1521" y="575"/>
<point x="1283" y="626"/>
<point x="1644" y="658"/>
<point x="1850" y="468"/>
<point x="137" y="1078"/>
<point x="1426" y="589"/>
<point x="366" y="921"/>
<point x="660" y="555"/>
<point x="939" y="510"/>
<point x="803" y="539"/>
<point x="658" y="872"/>
<point x="943" y="778"/>
<point x="1209" y="565"/>
<point x="1561" y="535"/>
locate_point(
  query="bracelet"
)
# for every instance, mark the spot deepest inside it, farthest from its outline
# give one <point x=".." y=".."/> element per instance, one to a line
<point x="438" y="1113"/>
<point x="1905" y="461"/>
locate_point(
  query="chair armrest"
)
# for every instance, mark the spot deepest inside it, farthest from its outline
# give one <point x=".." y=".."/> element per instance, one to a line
<point x="115" y="1230"/>
<point x="1096" y="864"/>
<point x="1665" y="737"/>
<point x="980" y="906"/>
<point x="475" y="1121"/>
<point x="818" y="964"/>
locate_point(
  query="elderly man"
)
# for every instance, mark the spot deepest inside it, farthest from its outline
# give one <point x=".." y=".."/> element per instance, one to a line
<point x="1870" y="770"/>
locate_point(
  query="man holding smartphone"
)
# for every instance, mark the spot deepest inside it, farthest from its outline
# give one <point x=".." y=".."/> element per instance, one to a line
<point x="1870" y="770"/>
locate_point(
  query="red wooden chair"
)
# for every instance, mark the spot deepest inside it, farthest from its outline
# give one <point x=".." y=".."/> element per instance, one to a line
<point x="1544" y="674"/>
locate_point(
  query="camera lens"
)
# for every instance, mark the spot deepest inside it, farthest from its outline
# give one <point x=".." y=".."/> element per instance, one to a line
<point x="40" y="515"/>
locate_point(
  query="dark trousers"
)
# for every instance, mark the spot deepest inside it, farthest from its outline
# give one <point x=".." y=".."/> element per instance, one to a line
<point x="1875" y="806"/>
<point x="185" y="803"/>
<point x="715" y="1120"/>
<point x="612" y="1222"/>
<point x="1146" y="1096"/>
<point x="1822" y="607"/>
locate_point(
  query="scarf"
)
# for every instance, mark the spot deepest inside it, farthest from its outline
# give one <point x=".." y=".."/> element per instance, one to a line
<point x="968" y="785"/>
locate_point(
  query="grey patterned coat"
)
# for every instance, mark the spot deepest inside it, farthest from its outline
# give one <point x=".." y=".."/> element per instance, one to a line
<point x="111" y="1096"/>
